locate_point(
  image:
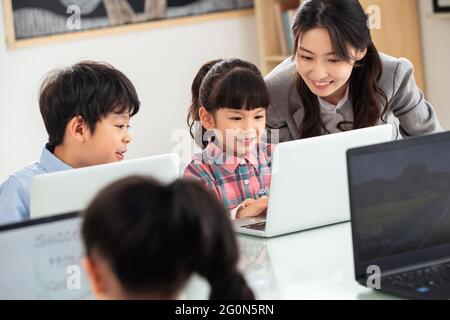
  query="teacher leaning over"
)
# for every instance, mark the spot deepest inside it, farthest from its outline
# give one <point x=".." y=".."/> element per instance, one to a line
<point x="337" y="80"/>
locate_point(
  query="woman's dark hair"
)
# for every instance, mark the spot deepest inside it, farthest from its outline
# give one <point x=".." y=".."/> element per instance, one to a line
<point x="233" y="83"/>
<point x="88" y="89"/>
<point x="347" y="25"/>
<point x="155" y="237"/>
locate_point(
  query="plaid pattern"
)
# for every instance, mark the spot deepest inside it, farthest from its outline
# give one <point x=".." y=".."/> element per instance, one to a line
<point x="231" y="178"/>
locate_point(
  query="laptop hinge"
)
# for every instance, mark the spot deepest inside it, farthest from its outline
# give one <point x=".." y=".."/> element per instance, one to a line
<point x="414" y="267"/>
<point x="361" y="279"/>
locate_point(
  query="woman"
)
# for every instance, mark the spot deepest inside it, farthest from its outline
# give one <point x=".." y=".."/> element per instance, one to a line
<point x="337" y="80"/>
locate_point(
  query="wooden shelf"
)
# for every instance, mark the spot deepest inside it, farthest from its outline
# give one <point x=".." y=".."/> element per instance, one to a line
<point x="439" y="15"/>
<point x="277" y="58"/>
<point x="270" y="52"/>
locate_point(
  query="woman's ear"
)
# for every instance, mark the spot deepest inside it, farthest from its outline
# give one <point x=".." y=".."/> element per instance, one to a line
<point x="361" y="54"/>
<point x="77" y="129"/>
<point x="206" y="119"/>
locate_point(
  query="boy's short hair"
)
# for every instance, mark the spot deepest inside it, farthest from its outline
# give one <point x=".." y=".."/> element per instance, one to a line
<point x="88" y="89"/>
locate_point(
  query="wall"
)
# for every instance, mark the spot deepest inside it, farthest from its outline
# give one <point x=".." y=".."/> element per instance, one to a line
<point x="436" y="52"/>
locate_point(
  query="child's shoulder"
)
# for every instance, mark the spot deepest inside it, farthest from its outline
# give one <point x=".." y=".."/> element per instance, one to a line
<point x="201" y="160"/>
<point x="26" y="173"/>
<point x="198" y="157"/>
<point x="199" y="166"/>
<point x="21" y="178"/>
<point x="17" y="185"/>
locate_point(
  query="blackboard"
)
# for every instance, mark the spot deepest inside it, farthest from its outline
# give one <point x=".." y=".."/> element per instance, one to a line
<point x="36" y="19"/>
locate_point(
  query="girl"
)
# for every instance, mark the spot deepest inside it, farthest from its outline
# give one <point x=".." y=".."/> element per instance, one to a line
<point x="338" y="81"/>
<point x="229" y="102"/>
<point x="145" y="240"/>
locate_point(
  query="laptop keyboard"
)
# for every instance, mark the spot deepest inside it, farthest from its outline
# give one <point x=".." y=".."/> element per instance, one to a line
<point x="422" y="279"/>
<point x="261" y="226"/>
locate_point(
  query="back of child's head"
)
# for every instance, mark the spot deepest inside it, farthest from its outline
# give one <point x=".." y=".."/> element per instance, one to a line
<point x="88" y="89"/>
<point x="155" y="237"/>
<point x="231" y="83"/>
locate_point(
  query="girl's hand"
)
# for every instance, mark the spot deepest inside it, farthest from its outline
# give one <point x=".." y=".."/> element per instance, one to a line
<point x="252" y="208"/>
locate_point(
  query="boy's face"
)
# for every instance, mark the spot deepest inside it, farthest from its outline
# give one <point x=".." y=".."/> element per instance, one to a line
<point x="109" y="141"/>
<point x="241" y="130"/>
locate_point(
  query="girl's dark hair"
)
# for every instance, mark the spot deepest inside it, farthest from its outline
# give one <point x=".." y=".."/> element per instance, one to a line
<point x="88" y="89"/>
<point x="155" y="237"/>
<point x="233" y="83"/>
<point x="347" y="24"/>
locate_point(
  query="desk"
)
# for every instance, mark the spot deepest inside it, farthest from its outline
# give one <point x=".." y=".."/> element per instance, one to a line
<point x="314" y="264"/>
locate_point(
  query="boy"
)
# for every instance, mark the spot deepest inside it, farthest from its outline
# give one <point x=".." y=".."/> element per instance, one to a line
<point x="86" y="110"/>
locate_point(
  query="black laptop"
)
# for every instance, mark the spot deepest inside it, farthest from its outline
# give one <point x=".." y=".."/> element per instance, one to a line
<point x="400" y="210"/>
<point x="40" y="259"/>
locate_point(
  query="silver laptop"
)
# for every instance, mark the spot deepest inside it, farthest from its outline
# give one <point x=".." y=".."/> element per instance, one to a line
<point x="41" y="259"/>
<point x="72" y="190"/>
<point x="309" y="186"/>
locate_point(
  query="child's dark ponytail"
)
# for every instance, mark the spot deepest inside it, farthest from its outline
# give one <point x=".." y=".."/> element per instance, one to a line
<point x="193" y="117"/>
<point x="155" y="237"/>
<point x="215" y="251"/>
<point x="230" y="285"/>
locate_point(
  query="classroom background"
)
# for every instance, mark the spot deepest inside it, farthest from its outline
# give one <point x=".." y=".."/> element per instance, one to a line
<point x="162" y="63"/>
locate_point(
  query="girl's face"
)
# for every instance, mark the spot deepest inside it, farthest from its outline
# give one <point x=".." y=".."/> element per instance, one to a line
<point x="238" y="131"/>
<point x="323" y="72"/>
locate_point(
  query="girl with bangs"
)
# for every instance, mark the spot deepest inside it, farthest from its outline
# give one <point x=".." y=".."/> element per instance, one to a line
<point x="227" y="119"/>
<point x="337" y="80"/>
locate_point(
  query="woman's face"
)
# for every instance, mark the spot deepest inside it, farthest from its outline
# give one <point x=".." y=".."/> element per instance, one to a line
<point x="323" y="72"/>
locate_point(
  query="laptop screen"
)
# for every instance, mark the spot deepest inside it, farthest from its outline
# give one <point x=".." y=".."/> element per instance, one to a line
<point x="41" y="260"/>
<point x="400" y="198"/>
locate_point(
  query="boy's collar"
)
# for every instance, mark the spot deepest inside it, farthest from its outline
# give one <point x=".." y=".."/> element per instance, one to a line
<point x="50" y="162"/>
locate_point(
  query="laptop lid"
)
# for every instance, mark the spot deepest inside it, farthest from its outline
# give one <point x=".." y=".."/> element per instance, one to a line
<point x="40" y="259"/>
<point x="72" y="190"/>
<point x="309" y="186"/>
<point x="400" y="203"/>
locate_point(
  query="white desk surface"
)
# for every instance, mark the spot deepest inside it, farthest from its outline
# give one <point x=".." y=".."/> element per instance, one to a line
<point x="314" y="264"/>
<point x="308" y="265"/>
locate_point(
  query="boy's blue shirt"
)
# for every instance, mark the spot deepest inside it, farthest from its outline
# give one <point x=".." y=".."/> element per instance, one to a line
<point x="15" y="191"/>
